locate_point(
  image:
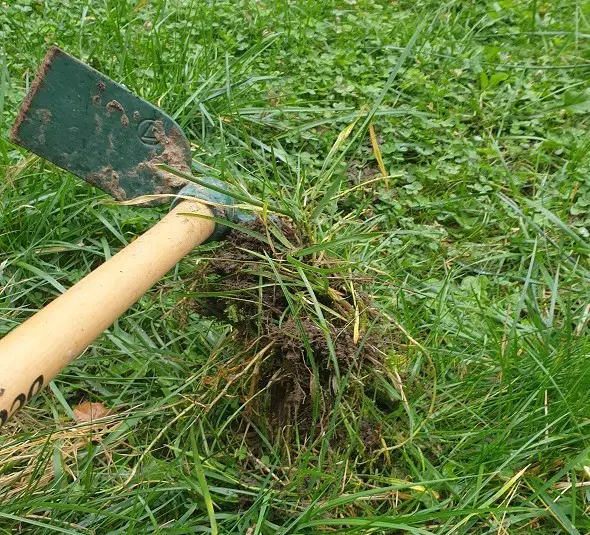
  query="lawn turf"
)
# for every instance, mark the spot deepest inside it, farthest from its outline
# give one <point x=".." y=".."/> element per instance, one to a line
<point x="438" y="151"/>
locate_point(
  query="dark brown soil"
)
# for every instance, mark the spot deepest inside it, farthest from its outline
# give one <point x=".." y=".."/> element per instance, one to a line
<point x="260" y="313"/>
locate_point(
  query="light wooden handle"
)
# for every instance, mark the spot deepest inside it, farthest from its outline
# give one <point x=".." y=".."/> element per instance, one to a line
<point x="35" y="352"/>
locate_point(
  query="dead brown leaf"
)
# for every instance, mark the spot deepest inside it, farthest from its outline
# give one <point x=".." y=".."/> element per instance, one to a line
<point x="88" y="412"/>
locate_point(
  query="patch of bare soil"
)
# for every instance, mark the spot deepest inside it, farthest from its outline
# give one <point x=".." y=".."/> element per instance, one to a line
<point x="256" y="305"/>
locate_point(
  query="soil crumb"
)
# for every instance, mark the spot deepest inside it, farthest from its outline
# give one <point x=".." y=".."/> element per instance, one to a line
<point x="254" y="302"/>
<point x="115" y="105"/>
<point x="107" y="179"/>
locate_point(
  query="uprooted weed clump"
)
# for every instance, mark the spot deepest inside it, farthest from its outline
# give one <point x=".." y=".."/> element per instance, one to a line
<point x="253" y="283"/>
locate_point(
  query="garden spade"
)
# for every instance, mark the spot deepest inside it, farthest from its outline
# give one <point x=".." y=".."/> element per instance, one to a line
<point x="77" y="118"/>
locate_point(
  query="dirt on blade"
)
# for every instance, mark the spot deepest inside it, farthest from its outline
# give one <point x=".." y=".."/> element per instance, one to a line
<point x="107" y="179"/>
<point x="176" y="154"/>
<point x="37" y="83"/>
<point x="115" y="105"/>
<point x="249" y="296"/>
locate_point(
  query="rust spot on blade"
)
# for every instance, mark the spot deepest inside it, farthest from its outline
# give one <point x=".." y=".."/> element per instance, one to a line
<point x="37" y="83"/>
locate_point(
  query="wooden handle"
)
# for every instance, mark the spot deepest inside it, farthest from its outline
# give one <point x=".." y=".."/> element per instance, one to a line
<point x="35" y="352"/>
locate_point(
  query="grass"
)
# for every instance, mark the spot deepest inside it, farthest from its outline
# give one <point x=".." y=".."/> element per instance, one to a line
<point x="463" y="214"/>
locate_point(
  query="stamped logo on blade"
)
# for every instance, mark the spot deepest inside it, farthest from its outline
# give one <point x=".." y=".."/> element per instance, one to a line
<point x="145" y="129"/>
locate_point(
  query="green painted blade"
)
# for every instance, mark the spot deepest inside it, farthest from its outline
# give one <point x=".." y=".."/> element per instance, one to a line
<point x="82" y="121"/>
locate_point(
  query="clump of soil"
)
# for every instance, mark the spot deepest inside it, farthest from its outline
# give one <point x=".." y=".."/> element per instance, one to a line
<point x="255" y="304"/>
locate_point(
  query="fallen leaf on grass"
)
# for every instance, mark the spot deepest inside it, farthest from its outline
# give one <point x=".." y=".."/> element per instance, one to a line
<point x="88" y="412"/>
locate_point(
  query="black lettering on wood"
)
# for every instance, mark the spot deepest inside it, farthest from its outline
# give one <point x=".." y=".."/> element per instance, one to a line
<point x="21" y="399"/>
<point x="35" y="387"/>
